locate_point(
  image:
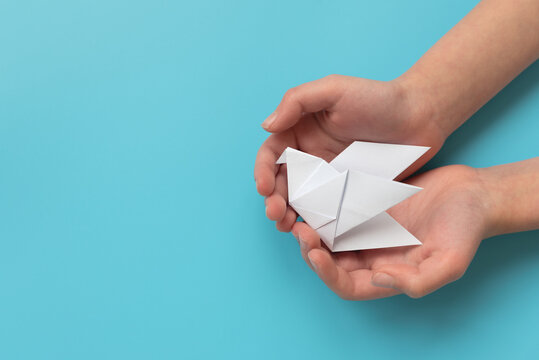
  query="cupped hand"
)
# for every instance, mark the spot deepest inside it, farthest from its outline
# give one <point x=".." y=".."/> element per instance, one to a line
<point x="449" y="216"/>
<point x="323" y="117"/>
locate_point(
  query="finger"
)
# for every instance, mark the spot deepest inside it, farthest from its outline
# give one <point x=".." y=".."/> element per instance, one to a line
<point x="335" y="277"/>
<point x="285" y="225"/>
<point x="310" y="97"/>
<point x="348" y="260"/>
<point x="308" y="239"/>
<point x="365" y="290"/>
<point x="352" y="260"/>
<point x="265" y="167"/>
<point x="355" y="285"/>
<point x="417" y="281"/>
<point x="307" y="234"/>
<point x="276" y="203"/>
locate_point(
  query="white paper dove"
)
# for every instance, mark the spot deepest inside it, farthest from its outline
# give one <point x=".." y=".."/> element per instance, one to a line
<point x="345" y="200"/>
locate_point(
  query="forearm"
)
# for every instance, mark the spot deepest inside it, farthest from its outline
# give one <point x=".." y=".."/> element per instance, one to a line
<point x="487" y="49"/>
<point x="512" y="196"/>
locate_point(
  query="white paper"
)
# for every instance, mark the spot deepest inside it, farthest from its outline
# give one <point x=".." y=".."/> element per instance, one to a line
<point x="345" y="200"/>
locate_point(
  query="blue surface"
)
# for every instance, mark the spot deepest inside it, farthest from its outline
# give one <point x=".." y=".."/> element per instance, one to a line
<point x="129" y="223"/>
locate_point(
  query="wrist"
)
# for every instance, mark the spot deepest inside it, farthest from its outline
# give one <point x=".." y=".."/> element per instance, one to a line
<point x="432" y="103"/>
<point x="513" y="200"/>
<point x="420" y="108"/>
<point x="491" y="202"/>
<point x="480" y="202"/>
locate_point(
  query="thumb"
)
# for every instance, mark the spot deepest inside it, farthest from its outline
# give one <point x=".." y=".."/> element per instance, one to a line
<point x="417" y="281"/>
<point x="310" y="97"/>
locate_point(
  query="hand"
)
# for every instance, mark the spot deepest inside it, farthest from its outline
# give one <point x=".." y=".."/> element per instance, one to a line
<point x="450" y="217"/>
<point x="323" y="117"/>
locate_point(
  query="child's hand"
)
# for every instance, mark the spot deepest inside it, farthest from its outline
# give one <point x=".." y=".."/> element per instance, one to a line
<point x="450" y="216"/>
<point x="324" y="116"/>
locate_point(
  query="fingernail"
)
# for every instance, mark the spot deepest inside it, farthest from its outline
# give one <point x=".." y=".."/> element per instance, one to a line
<point x="269" y="120"/>
<point x="312" y="262"/>
<point x="383" y="280"/>
<point x="302" y="243"/>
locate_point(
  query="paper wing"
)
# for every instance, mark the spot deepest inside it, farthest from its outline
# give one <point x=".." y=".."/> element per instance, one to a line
<point x="384" y="160"/>
<point x="366" y="196"/>
<point x="382" y="231"/>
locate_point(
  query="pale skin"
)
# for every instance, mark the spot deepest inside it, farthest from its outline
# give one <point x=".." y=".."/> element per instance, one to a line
<point x="459" y="206"/>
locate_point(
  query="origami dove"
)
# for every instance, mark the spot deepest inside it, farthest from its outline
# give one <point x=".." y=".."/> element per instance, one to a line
<point x="345" y="200"/>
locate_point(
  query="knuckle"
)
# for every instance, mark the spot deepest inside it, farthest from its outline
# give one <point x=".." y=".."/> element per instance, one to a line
<point x="345" y="296"/>
<point x="458" y="268"/>
<point x="457" y="273"/>
<point x="416" y="294"/>
<point x="335" y="83"/>
<point x="416" y="291"/>
<point x="332" y="77"/>
<point x="290" y="94"/>
<point x="282" y="227"/>
<point x="334" y="80"/>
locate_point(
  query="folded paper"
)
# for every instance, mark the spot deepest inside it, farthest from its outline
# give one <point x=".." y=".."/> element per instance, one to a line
<point x="345" y="200"/>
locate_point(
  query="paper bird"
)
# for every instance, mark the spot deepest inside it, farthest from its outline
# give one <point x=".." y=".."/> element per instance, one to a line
<point x="345" y="200"/>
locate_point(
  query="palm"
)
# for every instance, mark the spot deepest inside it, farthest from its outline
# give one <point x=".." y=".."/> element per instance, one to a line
<point x="444" y="216"/>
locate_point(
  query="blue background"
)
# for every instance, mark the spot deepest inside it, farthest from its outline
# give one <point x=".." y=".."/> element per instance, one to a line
<point x="130" y="227"/>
